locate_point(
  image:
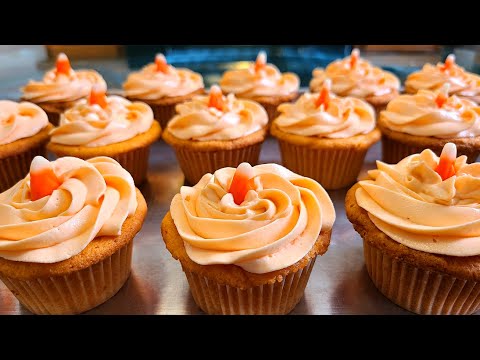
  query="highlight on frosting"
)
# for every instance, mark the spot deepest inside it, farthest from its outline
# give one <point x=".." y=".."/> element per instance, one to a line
<point x="61" y="206"/>
<point x="325" y="115"/>
<point x="160" y="79"/>
<point x="20" y="120"/>
<point x="259" y="79"/>
<point x="426" y="203"/>
<point x="101" y="120"/>
<point x="354" y="76"/>
<point x="261" y="218"/>
<point x="62" y="84"/>
<point x="433" y="113"/>
<point x="217" y="117"/>
<point x="433" y="77"/>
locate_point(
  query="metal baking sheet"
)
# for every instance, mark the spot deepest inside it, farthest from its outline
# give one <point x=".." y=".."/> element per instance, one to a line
<point x="339" y="283"/>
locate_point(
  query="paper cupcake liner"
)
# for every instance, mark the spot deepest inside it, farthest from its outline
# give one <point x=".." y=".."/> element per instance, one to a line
<point x="77" y="292"/>
<point x="195" y="164"/>
<point x="332" y="168"/>
<point x="393" y="151"/>
<point x="15" y="168"/>
<point x="135" y="162"/>
<point x="279" y="298"/>
<point x="420" y="291"/>
<point x="163" y="113"/>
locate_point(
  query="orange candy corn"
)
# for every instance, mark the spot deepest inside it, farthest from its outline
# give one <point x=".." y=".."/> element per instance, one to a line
<point x="324" y="97"/>
<point x="446" y="165"/>
<point x="215" y="98"/>
<point x="241" y="183"/>
<point x="161" y="63"/>
<point x="449" y="62"/>
<point x="43" y="180"/>
<point x="63" y="64"/>
<point x="97" y="96"/>
<point x="261" y="61"/>
<point x="442" y="96"/>
<point x="355" y="55"/>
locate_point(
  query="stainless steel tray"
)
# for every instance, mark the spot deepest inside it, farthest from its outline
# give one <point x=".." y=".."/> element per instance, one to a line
<point x="339" y="283"/>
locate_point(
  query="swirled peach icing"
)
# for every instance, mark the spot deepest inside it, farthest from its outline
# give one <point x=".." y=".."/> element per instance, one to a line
<point x="275" y="226"/>
<point x="412" y="204"/>
<point x="433" y="77"/>
<point x="91" y="125"/>
<point x="259" y="79"/>
<point x="358" y="78"/>
<point x="196" y="120"/>
<point x="426" y="114"/>
<point x="62" y="87"/>
<point x="151" y="84"/>
<point x="94" y="198"/>
<point x="20" y="120"/>
<point x="342" y="118"/>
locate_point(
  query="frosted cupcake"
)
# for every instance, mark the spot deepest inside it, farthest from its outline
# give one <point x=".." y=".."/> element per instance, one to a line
<point x="61" y="87"/>
<point x="354" y="76"/>
<point x="66" y="234"/>
<point x="216" y="131"/>
<point x="433" y="77"/>
<point x="419" y="221"/>
<point x="24" y="132"/>
<point x="108" y="126"/>
<point x="163" y="86"/>
<point x="429" y="120"/>
<point x="262" y="83"/>
<point x="326" y="137"/>
<point x="247" y="238"/>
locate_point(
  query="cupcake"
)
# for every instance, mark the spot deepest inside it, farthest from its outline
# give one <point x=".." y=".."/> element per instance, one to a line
<point x="353" y="76"/>
<point x="247" y="238"/>
<point x="24" y="132"/>
<point x="108" y="126"/>
<point x="325" y="137"/>
<point x="263" y="83"/>
<point x="433" y="77"/>
<point x="66" y="234"/>
<point x="216" y="131"/>
<point x="419" y="221"/>
<point x="162" y="86"/>
<point x="429" y="120"/>
<point x="61" y="88"/>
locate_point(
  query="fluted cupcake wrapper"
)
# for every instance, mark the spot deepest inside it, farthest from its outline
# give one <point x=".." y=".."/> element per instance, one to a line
<point x="333" y="168"/>
<point x="420" y="291"/>
<point x="393" y="151"/>
<point x="195" y="164"/>
<point x="279" y="298"/>
<point x="135" y="162"/>
<point x="163" y="113"/>
<point x="15" y="168"/>
<point x="77" y="292"/>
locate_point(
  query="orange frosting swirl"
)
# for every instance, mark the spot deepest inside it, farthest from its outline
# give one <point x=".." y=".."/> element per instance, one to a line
<point x="93" y="199"/>
<point x="20" y="120"/>
<point x="275" y="226"/>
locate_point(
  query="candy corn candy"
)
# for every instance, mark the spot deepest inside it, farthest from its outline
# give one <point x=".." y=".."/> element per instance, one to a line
<point x="63" y="64"/>
<point x="241" y="183"/>
<point x="446" y="165"/>
<point x="442" y="96"/>
<point x="161" y="63"/>
<point x="97" y="96"/>
<point x="43" y="180"/>
<point x="215" y="98"/>
<point x="324" y="97"/>
<point x="449" y="62"/>
<point x="355" y="55"/>
<point x="261" y="61"/>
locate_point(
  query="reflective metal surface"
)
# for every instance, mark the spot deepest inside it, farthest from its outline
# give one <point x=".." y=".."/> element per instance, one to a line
<point x="339" y="283"/>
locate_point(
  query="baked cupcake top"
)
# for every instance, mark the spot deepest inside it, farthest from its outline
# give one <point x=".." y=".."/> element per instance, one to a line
<point x="426" y="203"/>
<point x="325" y="115"/>
<point x="20" y="120"/>
<point x="61" y="206"/>
<point x="62" y="84"/>
<point x="261" y="219"/>
<point x="433" y="113"/>
<point x="217" y="117"/>
<point x="101" y="120"/>
<point x="354" y="76"/>
<point x="259" y="79"/>
<point x="160" y="80"/>
<point x="433" y="77"/>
